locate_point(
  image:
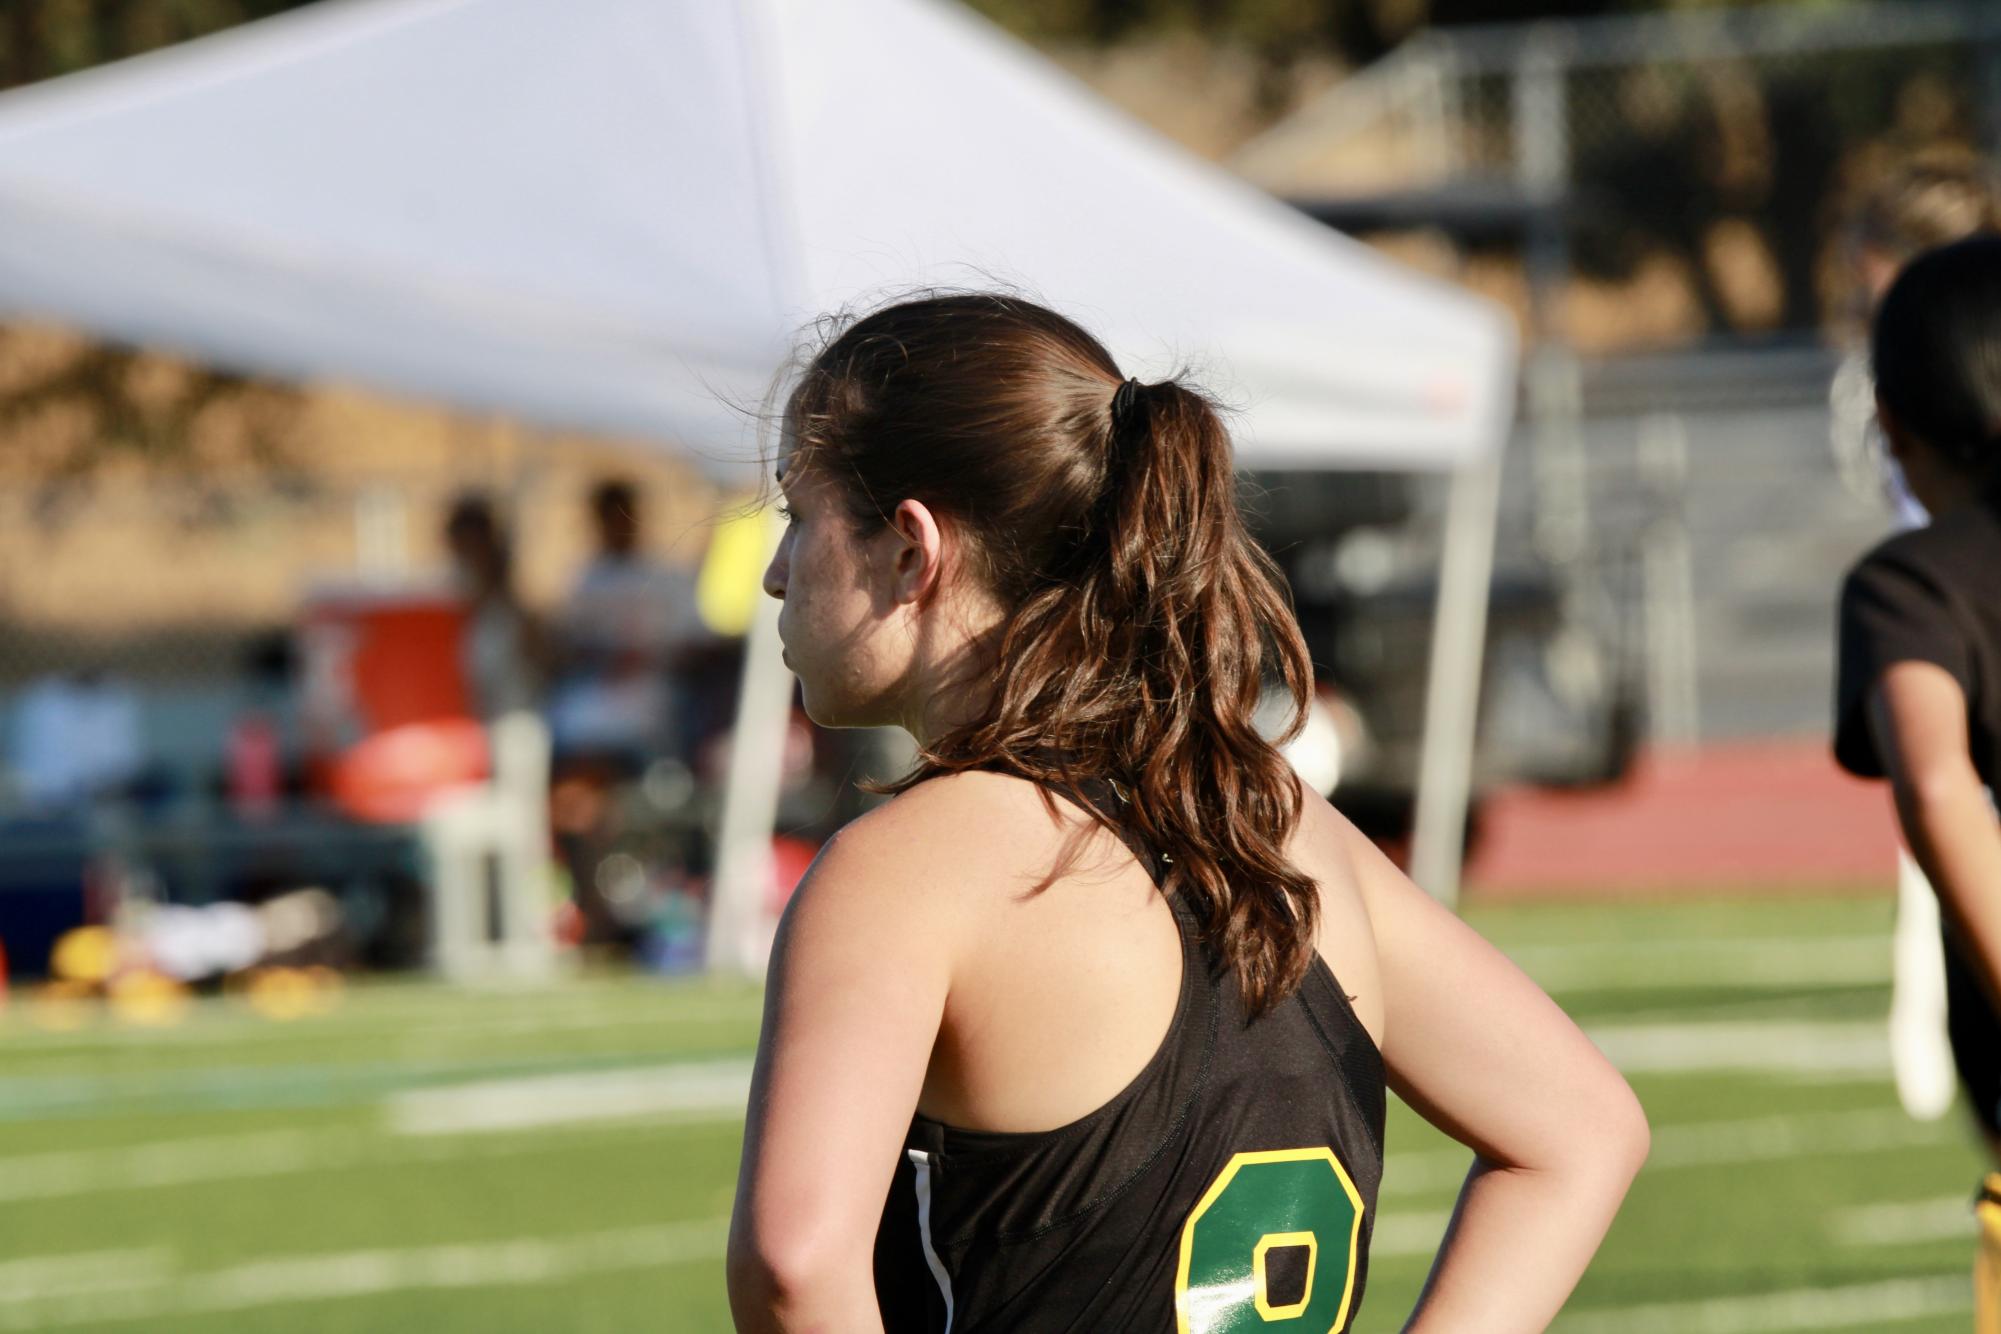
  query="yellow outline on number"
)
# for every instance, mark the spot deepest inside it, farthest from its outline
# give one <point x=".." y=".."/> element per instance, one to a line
<point x="1221" y="1184"/>
<point x="1262" y="1297"/>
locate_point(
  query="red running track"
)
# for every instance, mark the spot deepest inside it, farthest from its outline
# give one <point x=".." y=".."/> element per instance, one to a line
<point x="1760" y="816"/>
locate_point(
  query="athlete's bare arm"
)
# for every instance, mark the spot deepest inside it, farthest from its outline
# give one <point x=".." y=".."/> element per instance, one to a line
<point x="857" y="986"/>
<point x="1477" y="1048"/>
<point x="914" y="932"/>
<point x="1917" y="717"/>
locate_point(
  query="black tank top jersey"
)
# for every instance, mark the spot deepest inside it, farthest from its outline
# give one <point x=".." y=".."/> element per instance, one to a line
<point x="1230" y="1186"/>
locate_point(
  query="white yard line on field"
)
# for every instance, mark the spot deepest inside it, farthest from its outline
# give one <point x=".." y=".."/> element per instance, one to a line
<point x="1714" y="1144"/>
<point x="174" y="1162"/>
<point x="155" y="1292"/>
<point x="1771" y="1138"/>
<point x="1858" y="1048"/>
<point x="709" y="1087"/>
<point x="1759" y="962"/>
<point x="41" y="1278"/>
<point x="1851" y="1307"/>
<point x="715" y="1091"/>
<point x="224" y="1021"/>
<point x="180" y="1162"/>
<point x="1943" y="1218"/>
<point x="1407" y="1233"/>
<point x="450" y="1122"/>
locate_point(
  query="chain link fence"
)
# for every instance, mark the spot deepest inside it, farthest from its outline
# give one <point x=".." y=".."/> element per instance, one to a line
<point x="1668" y="203"/>
<point x="1652" y="180"/>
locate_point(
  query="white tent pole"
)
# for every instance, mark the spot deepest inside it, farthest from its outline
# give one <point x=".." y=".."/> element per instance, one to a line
<point x="750" y="793"/>
<point x="737" y="941"/>
<point x="1452" y="692"/>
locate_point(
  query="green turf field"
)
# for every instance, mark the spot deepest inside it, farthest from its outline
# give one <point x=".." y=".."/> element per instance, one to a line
<point x="439" y="1161"/>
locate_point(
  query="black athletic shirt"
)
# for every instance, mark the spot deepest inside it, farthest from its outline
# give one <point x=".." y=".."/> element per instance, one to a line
<point x="1930" y="595"/>
<point x="1230" y="1186"/>
<point x="1934" y="595"/>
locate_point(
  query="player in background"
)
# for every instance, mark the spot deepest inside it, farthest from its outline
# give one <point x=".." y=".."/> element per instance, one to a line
<point x="1089" y="1027"/>
<point x="1918" y="693"/>
<point x="1925" y="201"/>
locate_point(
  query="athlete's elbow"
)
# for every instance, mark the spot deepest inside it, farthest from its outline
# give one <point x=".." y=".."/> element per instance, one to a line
<point x="1622" y="1133"/>
<point x="754" y="1284"/>
<point x="1596" y="1137"/>
<point x="1607" y="1138"/>
<point x="774" y="1273"/>
<point x="1944" y="787"/>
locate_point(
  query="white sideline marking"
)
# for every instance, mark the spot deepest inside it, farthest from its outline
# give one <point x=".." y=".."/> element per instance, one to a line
<point x="1946" y="1218"/>
<point x="1769" y="1138"/>
<point x="546" y="1100"/>
<point x="1858" y="1048"/>
<point x="1758" y="961"/>
<point x="435" y="1117"/>
<point x="227" y="1022"/>
<point x="1409" y="1233"/>
<point x="166" y="1163"/>
<point x="45" y="1277"/>
<point x="426" y="1135"/>
<point x="1712" y="1144"/>
<point x="1848" y="1307"/>
<point x="323" y="1277"/>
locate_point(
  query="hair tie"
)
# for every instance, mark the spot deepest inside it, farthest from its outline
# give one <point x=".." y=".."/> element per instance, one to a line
<point x="1123" y="401"/>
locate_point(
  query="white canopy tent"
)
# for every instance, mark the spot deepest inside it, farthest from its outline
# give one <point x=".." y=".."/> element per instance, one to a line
<point x="616" y="214"/>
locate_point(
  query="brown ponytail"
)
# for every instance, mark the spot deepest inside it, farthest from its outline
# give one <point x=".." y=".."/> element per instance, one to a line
<point x="1143" y="624"/>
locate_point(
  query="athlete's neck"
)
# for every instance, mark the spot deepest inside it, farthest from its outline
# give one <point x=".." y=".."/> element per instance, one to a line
<point x="1963" y="489"/>
<point x="949" y="706"/>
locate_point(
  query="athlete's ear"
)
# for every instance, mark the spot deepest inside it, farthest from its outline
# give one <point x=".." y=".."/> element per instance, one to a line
<point x="920" y="552"/>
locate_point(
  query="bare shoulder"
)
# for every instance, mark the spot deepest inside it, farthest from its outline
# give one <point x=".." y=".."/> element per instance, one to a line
<point x="1324" y="846"/>
<point x="1000" y="799"/>
<point x="928" y="852"/>
<point x="954" y="819"/>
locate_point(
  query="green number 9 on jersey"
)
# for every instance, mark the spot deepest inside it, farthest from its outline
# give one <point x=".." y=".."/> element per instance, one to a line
<point x="1261" y="1212"/>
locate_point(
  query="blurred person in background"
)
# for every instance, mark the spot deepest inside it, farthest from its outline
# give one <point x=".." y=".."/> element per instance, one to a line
<point x="1918" y="696"/>
<point x="1090" y="1026"/>
<point x="617" y="639"/>
<point x="1926" y="200"/>
<point x="76" y="739"/>
<point x="499" y="648"/>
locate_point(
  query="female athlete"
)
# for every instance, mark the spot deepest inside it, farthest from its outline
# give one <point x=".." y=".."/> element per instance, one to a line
<point x="1088" y="1028"/>
<point x="1918" y="699"/>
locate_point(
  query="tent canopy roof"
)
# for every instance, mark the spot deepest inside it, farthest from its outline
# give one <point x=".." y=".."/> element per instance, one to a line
<point x="617" y="215"/>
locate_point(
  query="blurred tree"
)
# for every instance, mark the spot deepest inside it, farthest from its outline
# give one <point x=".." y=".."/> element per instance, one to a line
<point x="70" y="407"/>
<point x="1284" y="30"/>
<point x="77" y="405"/>
<point x="43" y="38"/>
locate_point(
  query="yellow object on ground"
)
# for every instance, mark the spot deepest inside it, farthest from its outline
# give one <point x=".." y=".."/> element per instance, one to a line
<point x="147" y="998"/>
<point x="86" y="954"/>
<point x="1987" y="1264"/>
<point x="292" y="993"/>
